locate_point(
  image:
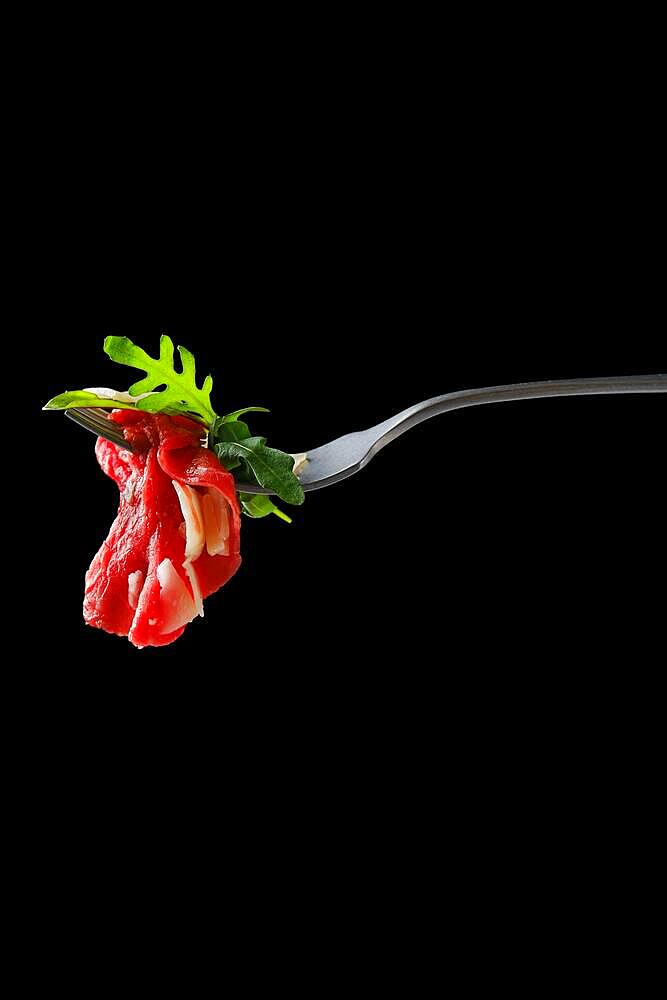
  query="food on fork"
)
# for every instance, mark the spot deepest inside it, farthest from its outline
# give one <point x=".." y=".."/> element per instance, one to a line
<point x="176" y="538"/>
<point x="177" y="535"/>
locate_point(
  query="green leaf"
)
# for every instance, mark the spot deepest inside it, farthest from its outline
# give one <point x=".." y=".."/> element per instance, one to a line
<point x="180" y="394"/>
<point x="79" y="397"/>
<point x="233" y="463"/>
<point x="258" y="505"/>
<point x="229" y="417"/>
<point x="272" y="469"/>
<point x="235" y="430"/>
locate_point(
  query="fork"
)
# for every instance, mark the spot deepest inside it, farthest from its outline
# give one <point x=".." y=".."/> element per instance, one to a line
<point x="348" y="454"/>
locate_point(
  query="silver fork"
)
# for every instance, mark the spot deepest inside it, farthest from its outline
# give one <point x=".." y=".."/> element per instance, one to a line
<point x="348" y="454"/>
<point x="98" y="422"/>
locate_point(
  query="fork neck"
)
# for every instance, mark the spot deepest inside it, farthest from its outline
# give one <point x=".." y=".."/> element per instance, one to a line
<point x="413" y="415"/>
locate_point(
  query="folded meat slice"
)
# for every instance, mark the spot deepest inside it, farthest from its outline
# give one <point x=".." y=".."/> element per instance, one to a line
<point x="142" y="583"/>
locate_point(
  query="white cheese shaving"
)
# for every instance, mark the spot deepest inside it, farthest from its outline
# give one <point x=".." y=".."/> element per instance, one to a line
<point x="194" y="522"/>
<point x="300" y="462"/>
<point x="116" y="394"/>
<point x="216" y="523"/>
<point x="135" y="582"/>
<point x="177" y="604"/>
<point x="196" y="589"/>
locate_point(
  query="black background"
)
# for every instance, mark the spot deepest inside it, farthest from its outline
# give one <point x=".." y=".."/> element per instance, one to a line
<point x="446" y="669"/>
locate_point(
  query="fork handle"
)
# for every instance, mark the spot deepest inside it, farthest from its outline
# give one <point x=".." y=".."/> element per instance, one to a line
<point x="392" y="428"/>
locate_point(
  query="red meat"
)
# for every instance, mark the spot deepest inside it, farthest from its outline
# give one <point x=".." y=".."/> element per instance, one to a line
<point x="140" y="583"/>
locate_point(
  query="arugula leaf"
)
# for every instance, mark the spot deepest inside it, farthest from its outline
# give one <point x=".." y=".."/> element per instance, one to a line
<point x="229" y="417"/>
<point x="81" y="397"/>
<point x="235" y="430"/>
<point x="180" y="392"/>
<point x="272" y="469"/>
<point x="258" y="505"/>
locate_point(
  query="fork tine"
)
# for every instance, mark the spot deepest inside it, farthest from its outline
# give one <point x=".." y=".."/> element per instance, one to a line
<point x="89" y="418"/>
<point x="98" y="418"/>
<point x="106" y="428"/>
<point x="92" y="420"/>
<point x="99" y="424"/>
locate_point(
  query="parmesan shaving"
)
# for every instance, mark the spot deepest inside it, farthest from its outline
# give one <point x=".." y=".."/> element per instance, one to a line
<point x="194" y="523"/>
<point x="135" y="582"/>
